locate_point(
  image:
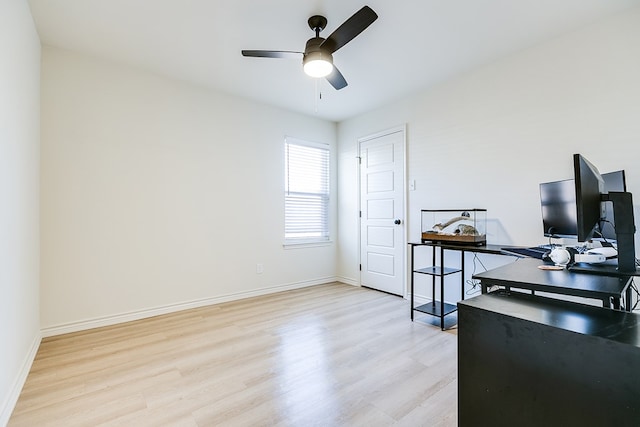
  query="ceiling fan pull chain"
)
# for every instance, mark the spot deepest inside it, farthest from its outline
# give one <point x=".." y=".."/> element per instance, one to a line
<point x="316" y="94"/>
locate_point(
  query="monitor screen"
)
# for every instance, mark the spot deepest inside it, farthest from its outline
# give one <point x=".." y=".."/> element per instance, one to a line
<point x="589" y="187"/>
<point x="558" y="203"/>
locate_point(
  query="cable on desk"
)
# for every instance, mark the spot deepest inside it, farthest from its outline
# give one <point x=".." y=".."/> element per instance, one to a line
<point x="474" y="287"/>
<point x="599" y="234"/>
<point x="474" y="284"/>
<point x="635" y="289"/>
<point x="551" y="244"/>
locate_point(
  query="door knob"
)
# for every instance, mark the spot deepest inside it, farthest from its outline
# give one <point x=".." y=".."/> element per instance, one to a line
<point x="397" y="222"/>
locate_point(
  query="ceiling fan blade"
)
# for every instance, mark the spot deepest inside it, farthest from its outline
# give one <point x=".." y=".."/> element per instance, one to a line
<point x="272" y="54"/>
<point x="336" y="79"/>
<point x="350" y="29"/>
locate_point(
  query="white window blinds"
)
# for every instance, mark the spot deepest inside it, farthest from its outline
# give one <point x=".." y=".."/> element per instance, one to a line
<point x="306" y="192"/>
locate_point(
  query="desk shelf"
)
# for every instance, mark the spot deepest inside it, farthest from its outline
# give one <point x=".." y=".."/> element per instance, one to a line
<point x="525" y="274"/>
<point x="437" y="271"/>
<point x="433" y="308"/>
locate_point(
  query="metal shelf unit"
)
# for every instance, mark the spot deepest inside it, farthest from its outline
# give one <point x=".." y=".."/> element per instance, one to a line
<point x="437" y="308"/>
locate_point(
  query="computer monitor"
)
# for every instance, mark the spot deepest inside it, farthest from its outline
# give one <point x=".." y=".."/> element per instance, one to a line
<point x="558" y="204"/>
<point x="613" y="182"/>
<point x="589" y="185"/>
<point x="590" y="193"/>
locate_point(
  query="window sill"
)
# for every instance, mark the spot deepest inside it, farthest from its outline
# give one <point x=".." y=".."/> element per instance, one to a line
<point x="303" y="245"/>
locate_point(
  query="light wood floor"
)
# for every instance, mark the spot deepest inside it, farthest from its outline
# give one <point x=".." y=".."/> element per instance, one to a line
<point x="329" y="355"/>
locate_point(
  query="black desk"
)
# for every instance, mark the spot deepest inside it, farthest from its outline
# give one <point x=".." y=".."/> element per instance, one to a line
<point x="532" y="361"/>
<point x="439" y="308"/>
<point x="525" y="274"/>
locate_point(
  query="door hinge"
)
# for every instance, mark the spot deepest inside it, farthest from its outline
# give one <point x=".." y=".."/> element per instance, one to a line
<point x="360" y="214"/>
<point x="360" y="267"/>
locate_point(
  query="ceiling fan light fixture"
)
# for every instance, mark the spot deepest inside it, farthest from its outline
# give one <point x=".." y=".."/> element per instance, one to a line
<point x="316" y="64"/>
<point x="317" y="58"/>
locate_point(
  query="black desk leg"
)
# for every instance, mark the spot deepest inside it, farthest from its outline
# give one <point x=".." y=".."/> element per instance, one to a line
<point x="614" y="301"/>
<point x="462" y="274"/>
<point x="433" y="279"/>
<point x="441" y="288"/>
<point x="411" y="272"/>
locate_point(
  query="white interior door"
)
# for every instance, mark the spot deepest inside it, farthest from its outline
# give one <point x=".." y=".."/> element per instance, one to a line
<point x="382" y="234"/>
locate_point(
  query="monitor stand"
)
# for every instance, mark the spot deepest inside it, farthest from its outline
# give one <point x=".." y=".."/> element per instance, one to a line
<point x="625" y="264"/>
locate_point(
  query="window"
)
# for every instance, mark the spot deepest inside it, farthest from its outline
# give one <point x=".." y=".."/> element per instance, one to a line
<point x="306" y="192"/>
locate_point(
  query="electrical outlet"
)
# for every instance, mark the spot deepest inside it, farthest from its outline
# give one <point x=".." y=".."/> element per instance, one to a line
<point x="259" y="268"/>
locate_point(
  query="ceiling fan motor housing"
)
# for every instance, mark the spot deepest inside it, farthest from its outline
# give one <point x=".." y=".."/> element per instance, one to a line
<point x="317" y="62"/>
<point x="314" y="50"/>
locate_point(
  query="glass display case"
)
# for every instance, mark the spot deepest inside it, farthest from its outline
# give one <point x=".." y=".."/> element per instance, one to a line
<point x="454" y="226"/>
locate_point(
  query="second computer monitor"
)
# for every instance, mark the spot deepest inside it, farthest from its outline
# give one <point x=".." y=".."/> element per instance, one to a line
<point x="558" y="203"/>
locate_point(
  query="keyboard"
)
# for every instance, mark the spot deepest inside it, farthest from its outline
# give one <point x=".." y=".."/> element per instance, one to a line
<point x="533" y="252"/>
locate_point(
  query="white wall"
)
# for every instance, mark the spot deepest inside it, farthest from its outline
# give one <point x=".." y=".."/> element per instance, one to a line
<point x="159" y="195"/>
<point x="488" y="138"/>
<point x="19" y="195"/>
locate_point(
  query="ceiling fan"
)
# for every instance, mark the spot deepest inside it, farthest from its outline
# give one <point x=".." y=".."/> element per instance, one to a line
<point x="317" y="58"/>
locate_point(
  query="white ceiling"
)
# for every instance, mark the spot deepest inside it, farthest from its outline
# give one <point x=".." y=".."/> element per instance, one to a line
<point x="414" y="44"/>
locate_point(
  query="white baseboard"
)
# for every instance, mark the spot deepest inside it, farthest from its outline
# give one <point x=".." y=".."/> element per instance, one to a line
<point x="348" y="281"/>
<point x="10" y="402"/>
<point x="172" y="308"/>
